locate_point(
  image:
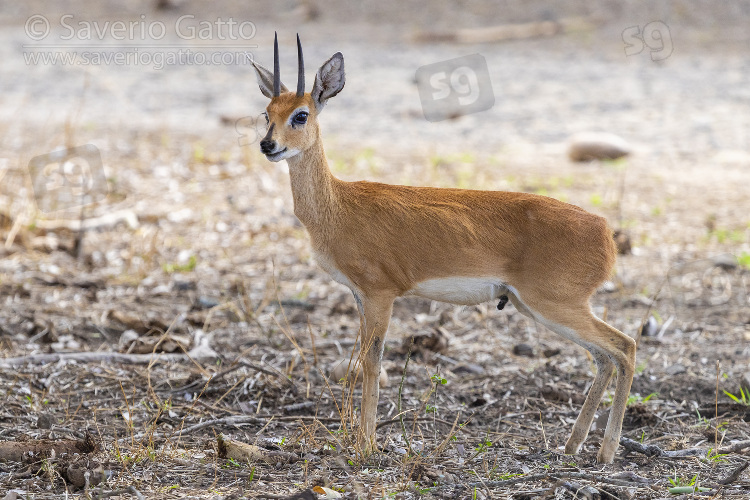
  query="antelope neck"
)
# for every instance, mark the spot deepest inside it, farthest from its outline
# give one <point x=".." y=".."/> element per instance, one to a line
<point x="313" y="186"/>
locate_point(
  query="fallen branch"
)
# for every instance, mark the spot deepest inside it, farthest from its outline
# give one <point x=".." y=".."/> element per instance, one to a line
<point x="33" y="449"/>
<point x="581" y="491"/>
<point x="385" y="423"/>
<point x="98" y="357"/>
<point x="215" y="378"/>
<point x="651" y="450"/>
<point x="302" y="495"/>
<point x="734" y="447"/>
<point x="127" y="217"/>
<point x="559" y="475"/>
<point x="234" y="420"/>
<point x="298" y="406"/>
<point x="244" y="452"/>
<point x="115" y="493"/>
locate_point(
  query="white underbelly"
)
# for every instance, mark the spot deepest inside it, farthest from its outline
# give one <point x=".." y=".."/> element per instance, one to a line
<point x="465" y="291"/>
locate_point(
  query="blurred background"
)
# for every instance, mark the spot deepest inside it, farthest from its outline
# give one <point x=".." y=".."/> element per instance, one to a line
<point x="134" y="201"/>
<point x="129" y="145"/>
<point x="159" y="110"/>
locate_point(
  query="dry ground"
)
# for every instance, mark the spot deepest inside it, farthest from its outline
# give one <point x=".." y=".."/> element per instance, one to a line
<point x="196" y="249"/>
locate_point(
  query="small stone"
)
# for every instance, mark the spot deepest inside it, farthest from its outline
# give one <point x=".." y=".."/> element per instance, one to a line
<point x="551" y="351"/>
<point x="126" y="338"/>
<point x="77" y="473"/>
<point x="622" y="240"/>
<point x="523" y="350"/>
<point x="725" y="262"/>
<point x="204" y="302"/>
<point x="675" y="369"/>
<point x="183" y="286"/>
<point x="467" y="368"/>
<point x="345" y="369"/>
<point x="588" y="146"/>
<point x="298" y="317"/>
<point x="650" y="327"/>
<point x="45" y="421"/>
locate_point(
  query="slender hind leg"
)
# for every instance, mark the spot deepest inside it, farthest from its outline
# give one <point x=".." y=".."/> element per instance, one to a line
<point x="610" y="349"/>
<point x="604" y="368"/>
<point x="624" y="358"/>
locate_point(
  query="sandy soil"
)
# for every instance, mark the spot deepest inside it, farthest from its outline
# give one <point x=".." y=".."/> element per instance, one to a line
<point x="197" y="247"/>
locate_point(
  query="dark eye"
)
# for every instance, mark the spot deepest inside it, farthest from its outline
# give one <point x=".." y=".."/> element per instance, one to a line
<point x="265" y="115"/>
<point x="300" y="118"/>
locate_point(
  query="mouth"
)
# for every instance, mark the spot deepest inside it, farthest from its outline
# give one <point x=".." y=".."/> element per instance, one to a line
<point x="277" y="155"/>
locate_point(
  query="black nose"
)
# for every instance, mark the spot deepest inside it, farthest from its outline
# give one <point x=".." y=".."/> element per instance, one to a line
<point x="267" y="146"/>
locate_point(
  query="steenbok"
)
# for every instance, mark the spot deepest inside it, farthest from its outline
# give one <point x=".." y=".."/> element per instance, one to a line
<point x="451" y="245"/>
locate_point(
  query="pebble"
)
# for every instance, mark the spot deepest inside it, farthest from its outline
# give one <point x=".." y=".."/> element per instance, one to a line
<point x="588" y="146"/>
<point x="467" y="368"/>
<point x="45" y="421"/>
<point x="650" y="327"/>
<point x="675" y="369"/>
<point x="204" y="302"/>
<point x="523" y="350"/>
<point x="551" y="351"/>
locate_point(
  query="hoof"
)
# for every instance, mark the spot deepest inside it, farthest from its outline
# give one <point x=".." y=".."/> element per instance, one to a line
<point x="572" y="448"/>
<point x="605" y="457"/>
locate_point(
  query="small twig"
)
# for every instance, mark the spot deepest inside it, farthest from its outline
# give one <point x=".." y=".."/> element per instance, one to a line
<point x="419" y="419"/>
<point x="298" y="406"/>
<point x="301" y="495"/>
<point x="555" y="476"/>
<point x="735" y="474"/>
<point x="651" y="450"/>
<point x="93" y="357"/>
<point x="234" y="420"/>
<point x="241" y="419"/>
<point x="716" y="408"/>
<point x="106" y="494"/>
<point x="400" y="390"/>
<point x="581" y="491"/>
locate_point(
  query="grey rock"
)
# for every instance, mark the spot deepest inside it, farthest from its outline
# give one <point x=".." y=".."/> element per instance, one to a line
<point x="675" y="369"/>
<point x="45" y="421"/>
<point x="523" y="350"/>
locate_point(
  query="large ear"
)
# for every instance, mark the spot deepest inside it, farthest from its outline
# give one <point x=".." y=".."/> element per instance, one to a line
<point x="265" y="80"/>
<point x="329" y="80"/>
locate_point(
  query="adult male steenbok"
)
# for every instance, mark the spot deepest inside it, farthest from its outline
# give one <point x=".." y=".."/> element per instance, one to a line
<point x="451" y="245"/>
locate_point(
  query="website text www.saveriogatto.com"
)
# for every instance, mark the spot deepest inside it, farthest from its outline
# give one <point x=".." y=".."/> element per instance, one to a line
<point x="70" y="41"/>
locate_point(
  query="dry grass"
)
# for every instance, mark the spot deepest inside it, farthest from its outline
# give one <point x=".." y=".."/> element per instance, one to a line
<point x="229" y="262"/>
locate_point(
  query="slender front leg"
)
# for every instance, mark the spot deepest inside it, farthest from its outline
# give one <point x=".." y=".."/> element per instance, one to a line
<point x="375" y="314"/>
<point x="604" y="369"/>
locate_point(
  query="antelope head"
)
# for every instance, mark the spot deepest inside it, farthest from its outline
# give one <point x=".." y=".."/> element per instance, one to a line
<point x="292" y="117"/>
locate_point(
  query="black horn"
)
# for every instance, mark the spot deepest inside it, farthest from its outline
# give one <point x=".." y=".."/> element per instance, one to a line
<point x="300" y="70"/>
<point x="276" y="72"/>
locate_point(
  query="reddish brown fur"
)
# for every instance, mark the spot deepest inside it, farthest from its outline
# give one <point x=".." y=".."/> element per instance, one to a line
<point x="382" y="240"/>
